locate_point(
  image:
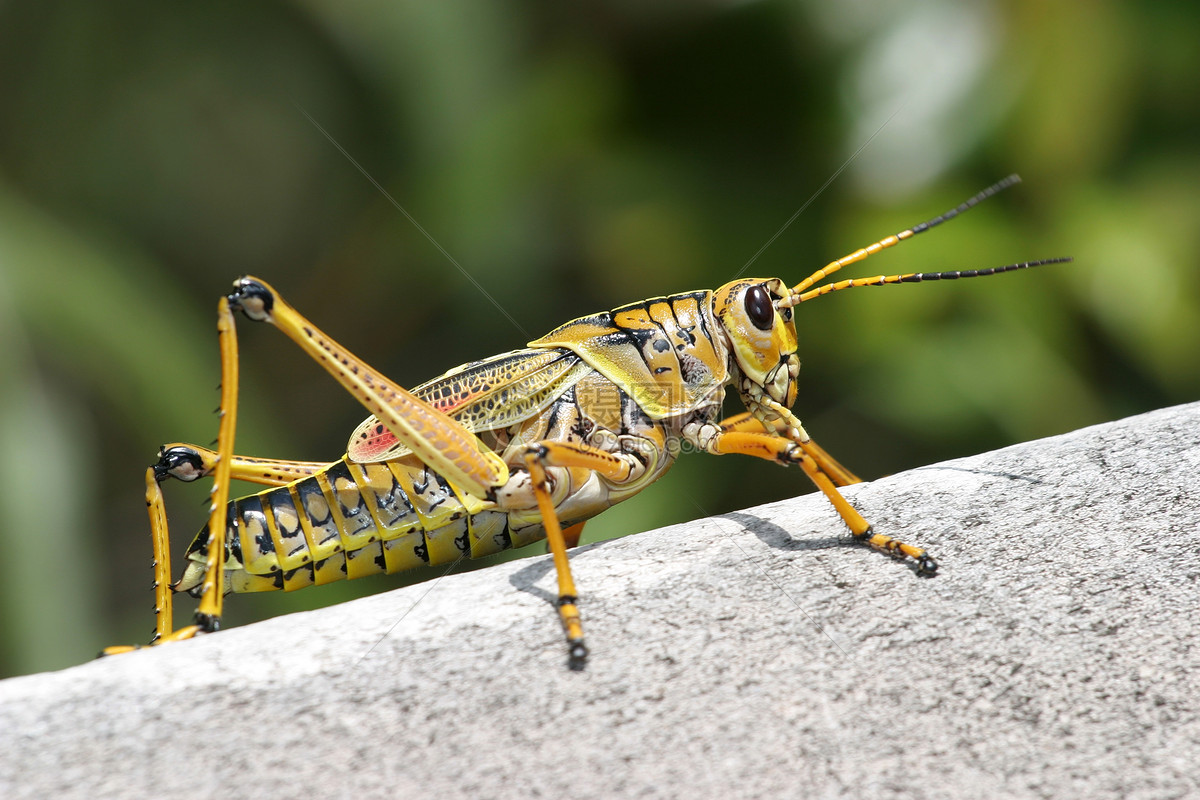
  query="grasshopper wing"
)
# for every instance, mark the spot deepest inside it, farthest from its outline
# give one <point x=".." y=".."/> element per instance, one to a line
<point x="482" y="395"/>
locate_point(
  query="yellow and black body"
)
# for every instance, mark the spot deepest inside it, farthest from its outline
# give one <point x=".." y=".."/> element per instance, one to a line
<point x="512" y="449"/>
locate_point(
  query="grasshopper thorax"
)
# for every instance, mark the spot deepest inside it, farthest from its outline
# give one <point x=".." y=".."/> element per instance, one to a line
<point x="762" y="338"/>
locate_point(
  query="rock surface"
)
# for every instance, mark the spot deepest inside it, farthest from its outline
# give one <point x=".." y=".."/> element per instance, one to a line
<point x="758" y="654"/>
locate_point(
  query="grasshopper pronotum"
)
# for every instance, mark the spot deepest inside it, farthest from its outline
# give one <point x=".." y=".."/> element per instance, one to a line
<point x="506" y="451"/>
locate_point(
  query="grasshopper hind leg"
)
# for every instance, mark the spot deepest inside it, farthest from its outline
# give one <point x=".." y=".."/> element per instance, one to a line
<point x="189" y="462"/>
<point x="171" y="460"/>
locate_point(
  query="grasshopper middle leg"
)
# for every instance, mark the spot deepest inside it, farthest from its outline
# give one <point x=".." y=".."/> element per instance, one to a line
<point x="615" y="467"/>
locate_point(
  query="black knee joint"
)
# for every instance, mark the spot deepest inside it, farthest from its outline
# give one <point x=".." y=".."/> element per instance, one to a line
<point x="182" y="463"/>
<point x="252" y="298"/>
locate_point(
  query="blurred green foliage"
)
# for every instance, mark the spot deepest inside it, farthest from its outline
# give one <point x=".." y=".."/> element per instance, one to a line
<point x="570" y="158"/>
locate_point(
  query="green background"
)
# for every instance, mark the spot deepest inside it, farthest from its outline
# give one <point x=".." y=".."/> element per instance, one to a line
<point x="571" y="158"/>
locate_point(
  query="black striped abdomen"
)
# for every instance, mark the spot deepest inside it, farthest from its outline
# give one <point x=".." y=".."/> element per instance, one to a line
<point x="348" y="521"/>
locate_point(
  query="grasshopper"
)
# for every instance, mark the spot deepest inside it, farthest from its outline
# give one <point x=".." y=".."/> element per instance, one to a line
<point x="511" y="449"/>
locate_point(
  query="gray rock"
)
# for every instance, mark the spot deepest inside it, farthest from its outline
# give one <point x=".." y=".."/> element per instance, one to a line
<point x="758" y="654"/>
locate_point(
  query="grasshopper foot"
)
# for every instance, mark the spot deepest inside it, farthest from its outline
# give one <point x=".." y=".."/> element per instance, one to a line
<point x="926" y="566"/>
<point x="207" y="623"/>
<point x="577" y="654"/>
<point x="118" y="649"/>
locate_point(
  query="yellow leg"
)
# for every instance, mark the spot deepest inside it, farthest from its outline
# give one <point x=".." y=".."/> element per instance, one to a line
<point x="572" y="534"/>
<point x="163" y="610"/>
<point x="446" y="446"/>
<point x="188" y="462"/>
<point x="212" y="596"/>
<point x="208" y="615"/>
<point x="748" y="423"/>
<point x="787" y="451"/>
<point x="568" y="454"/>
<point x="164" y="619"/>
<point x="829" y="465"/>
<point x="568" y="598"/>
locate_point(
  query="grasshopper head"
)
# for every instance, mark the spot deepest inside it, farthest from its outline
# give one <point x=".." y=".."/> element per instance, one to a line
<point x="762" y="336"/>
<point x="756" y="313"/>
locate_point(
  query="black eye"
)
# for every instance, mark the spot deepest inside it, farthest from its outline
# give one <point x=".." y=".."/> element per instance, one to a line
<point x="759" y="307"/>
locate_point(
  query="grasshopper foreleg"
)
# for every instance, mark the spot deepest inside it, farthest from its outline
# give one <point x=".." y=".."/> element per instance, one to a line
<point x="747" y="423"/>
<point x="769" y="441"/>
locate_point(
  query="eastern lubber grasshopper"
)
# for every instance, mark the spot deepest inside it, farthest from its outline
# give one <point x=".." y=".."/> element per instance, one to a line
<point x="506" y="451"/>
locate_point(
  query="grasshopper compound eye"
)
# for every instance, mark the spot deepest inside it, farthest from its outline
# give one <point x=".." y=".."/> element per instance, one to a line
<point x="759" y="307"/>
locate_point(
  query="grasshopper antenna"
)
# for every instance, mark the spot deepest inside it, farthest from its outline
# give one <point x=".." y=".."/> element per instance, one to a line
<point x="917" y="277"/>
<point x="799" y="293"/>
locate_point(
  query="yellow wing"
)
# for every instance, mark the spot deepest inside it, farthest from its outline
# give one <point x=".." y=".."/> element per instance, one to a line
<point x="482" y="395"/>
